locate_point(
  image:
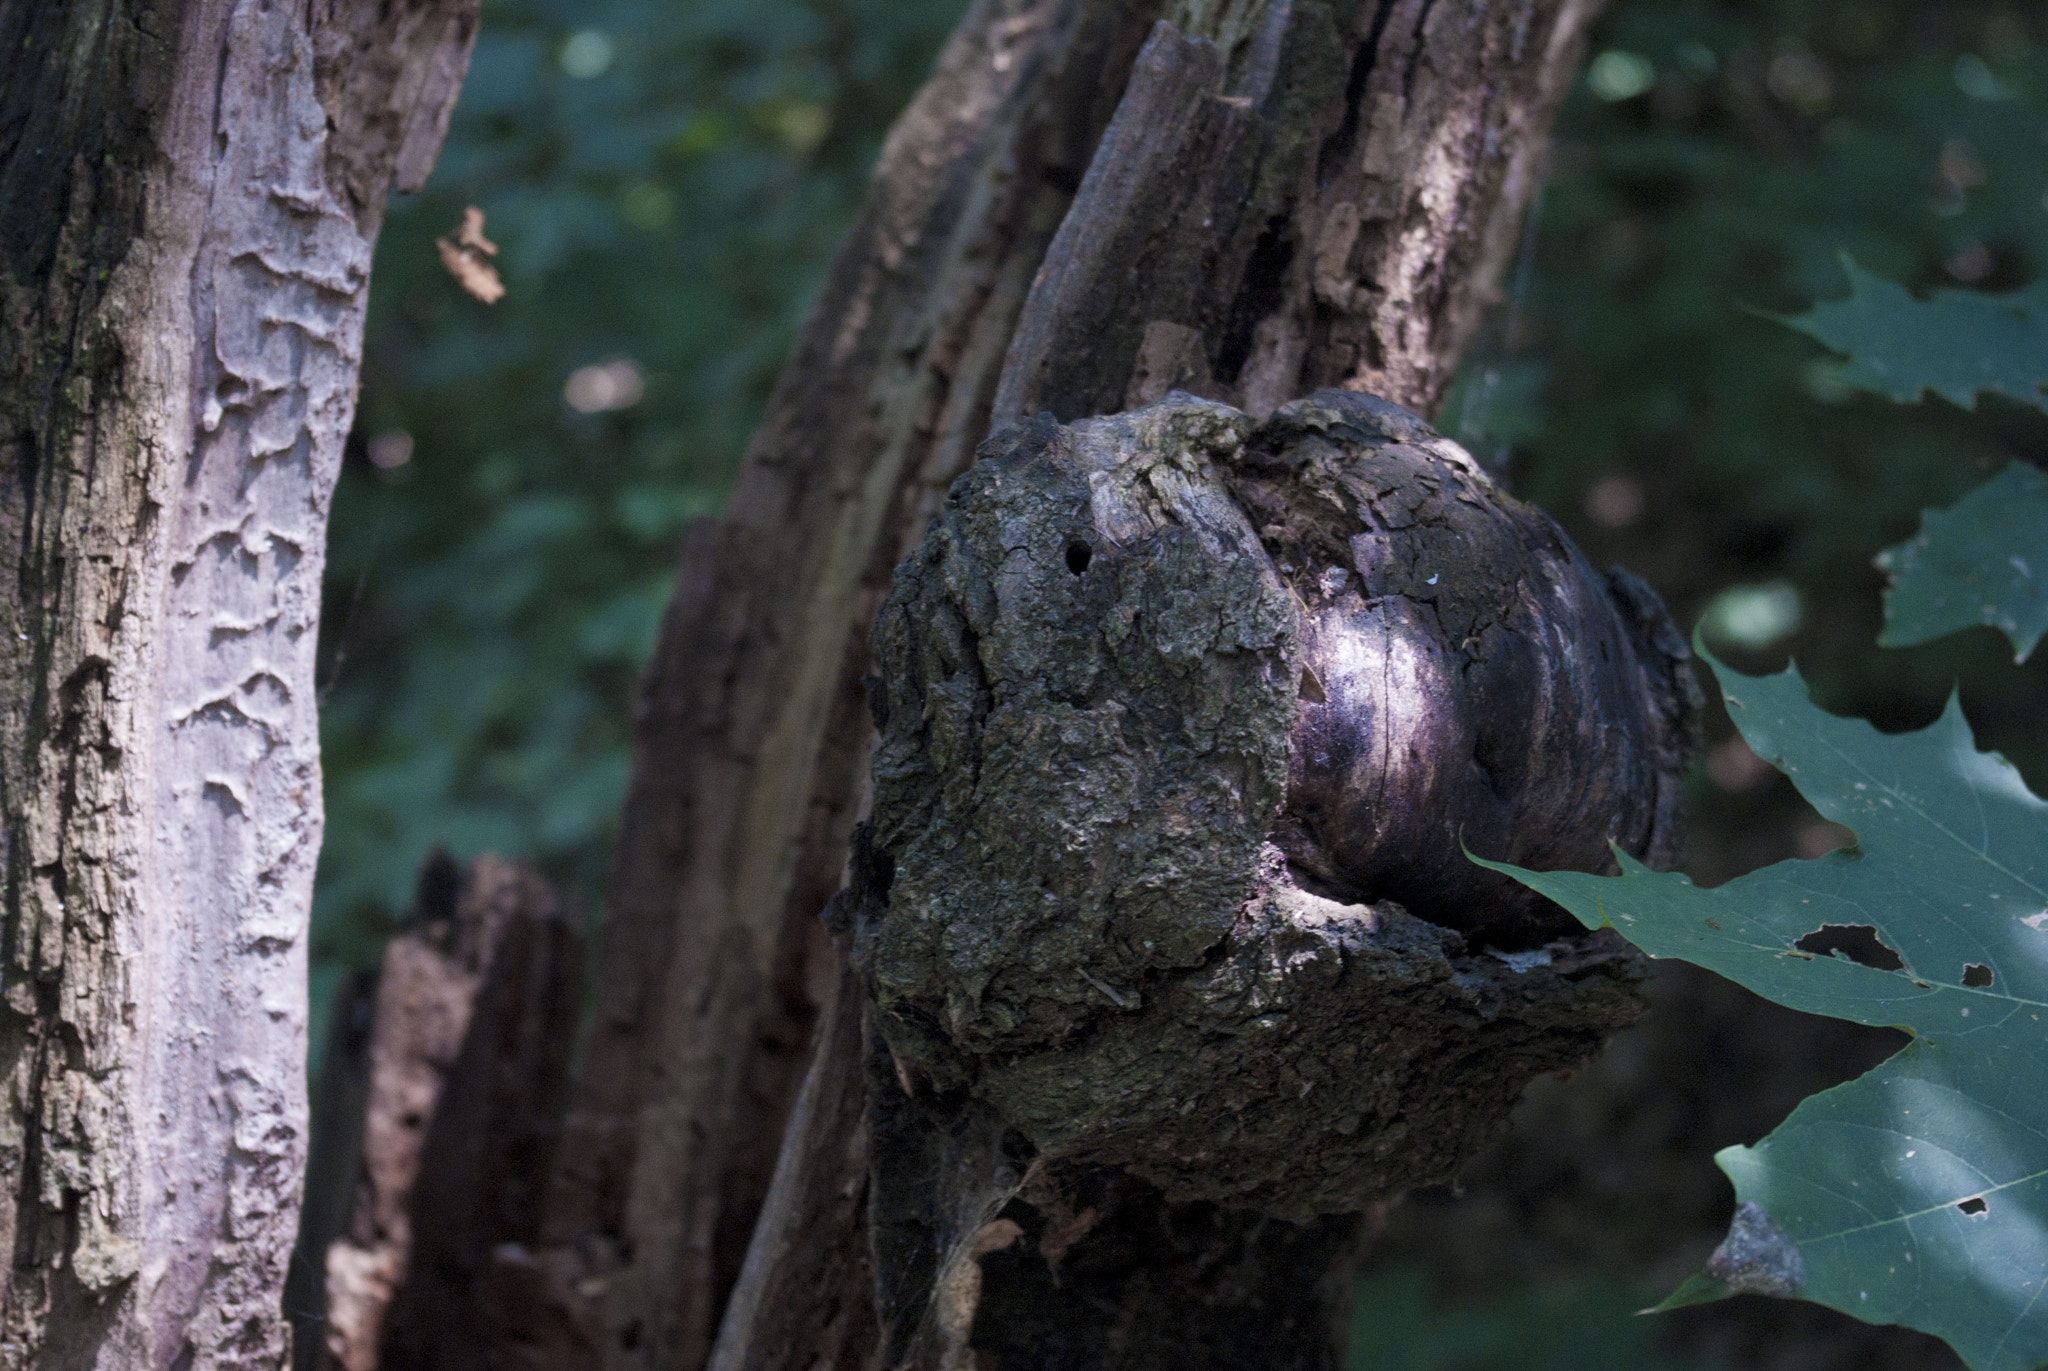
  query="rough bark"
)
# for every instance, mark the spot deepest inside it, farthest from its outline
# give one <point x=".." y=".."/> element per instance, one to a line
<point x="192" y="191"/>
<point x="1383" y="153"/>
<point x="466" y="1074"/>
<point x="1295" y="196"/>
<point x="1172" y="713"/>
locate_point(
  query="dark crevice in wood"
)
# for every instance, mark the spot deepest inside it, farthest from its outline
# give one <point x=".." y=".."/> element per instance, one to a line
<point x="1344" y="137"/>
<point x="1262" y="293"/>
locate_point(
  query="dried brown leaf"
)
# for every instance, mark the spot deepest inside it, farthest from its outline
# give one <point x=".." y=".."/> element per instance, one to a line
<point x="467" y="256"/>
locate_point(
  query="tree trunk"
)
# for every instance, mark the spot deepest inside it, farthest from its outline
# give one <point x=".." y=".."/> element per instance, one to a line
<point x="1290" y="194"/>
<point x="192" y="191"/>
<point x="751" y="735"/>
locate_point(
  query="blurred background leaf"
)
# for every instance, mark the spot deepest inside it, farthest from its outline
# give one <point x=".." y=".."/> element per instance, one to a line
<point x="1955" y="343"/>
<point x="1974" y="564"/>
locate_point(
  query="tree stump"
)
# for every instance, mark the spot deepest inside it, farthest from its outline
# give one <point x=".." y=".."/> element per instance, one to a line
<point x="1090" y="203"/>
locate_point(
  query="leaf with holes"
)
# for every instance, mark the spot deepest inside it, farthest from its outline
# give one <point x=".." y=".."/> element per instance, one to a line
<point x="1917" y="1194"/>
<point x="1954" y="343"/>
<point x="1980" y="562"/>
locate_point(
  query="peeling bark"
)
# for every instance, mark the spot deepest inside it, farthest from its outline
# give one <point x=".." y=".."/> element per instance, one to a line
<point x="1290" y="195"/>
<point x="193" y="190"/>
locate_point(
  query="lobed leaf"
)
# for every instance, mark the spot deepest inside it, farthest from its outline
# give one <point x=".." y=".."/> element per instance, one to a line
<point x="1917" y="1194"/>
<point x="1980" y="561"/>
<point x="1955" y="343"/>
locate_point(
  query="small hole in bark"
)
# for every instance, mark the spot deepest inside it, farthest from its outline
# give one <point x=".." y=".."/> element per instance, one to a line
<point x="1079" y="555"/>
<point x="1977" y="976"/>
<point x="629" y="1336"/>
<point x="1858" y="942"/>
<point x="1975" y="1207"/>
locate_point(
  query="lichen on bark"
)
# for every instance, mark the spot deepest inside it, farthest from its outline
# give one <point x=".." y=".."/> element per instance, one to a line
<point x="1184" y="725"/>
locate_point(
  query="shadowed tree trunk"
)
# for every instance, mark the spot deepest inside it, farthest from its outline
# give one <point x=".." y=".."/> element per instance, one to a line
<point x="1281" y="195"/>
<point x="191" y="191"/>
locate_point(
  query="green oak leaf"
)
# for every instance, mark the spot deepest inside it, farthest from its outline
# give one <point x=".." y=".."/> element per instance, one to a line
<point x="1954" y="343"/>
<point x="1981" y="561"/>
<point x="1918" y="1193"/>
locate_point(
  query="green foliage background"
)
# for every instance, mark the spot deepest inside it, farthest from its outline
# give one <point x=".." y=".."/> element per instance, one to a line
<point x="491" y="600"/>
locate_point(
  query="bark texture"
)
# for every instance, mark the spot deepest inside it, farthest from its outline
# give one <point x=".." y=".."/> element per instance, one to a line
<point x="1374" y="158"/>
<point x="1294" y="196"/>
<point x="192" y="192"/>
<point x="1164" y="701"/>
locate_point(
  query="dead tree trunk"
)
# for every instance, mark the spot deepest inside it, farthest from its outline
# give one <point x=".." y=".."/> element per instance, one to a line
<point x="1174" y="957"/>
<point x="1289" y="194"/>
<point x="191" y="193"/>
<point x="441" y="1151"/>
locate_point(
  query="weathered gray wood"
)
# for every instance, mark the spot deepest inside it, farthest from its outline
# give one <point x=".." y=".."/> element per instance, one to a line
<point x="191" y="191"/>
<point x="1295" y="196"/>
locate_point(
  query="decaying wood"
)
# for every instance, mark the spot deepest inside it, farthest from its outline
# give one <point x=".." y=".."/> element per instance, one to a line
<point x="1373" y="158"/>
<point x="191" y="192"/>
<point x="488" y="1153"/>
<point x="1295" y="196"/>
<point x="467" y="1054"/>
<point x="751" y="733"/>
<point x="1185" y="725"/>
<point x="799" y="1303"/>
